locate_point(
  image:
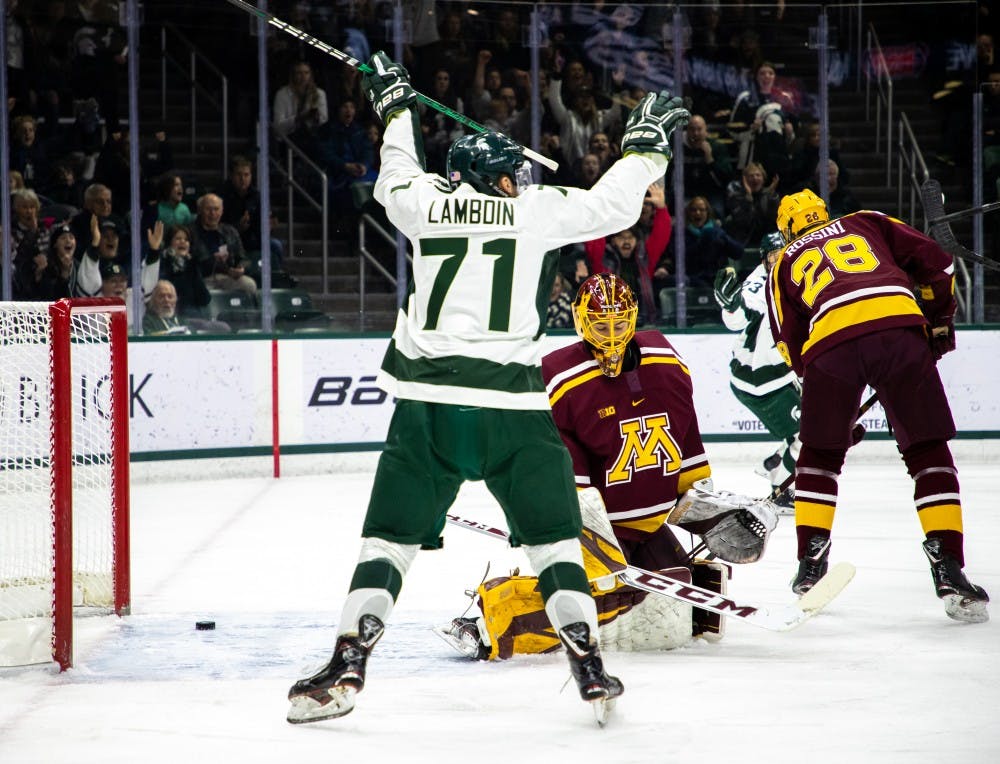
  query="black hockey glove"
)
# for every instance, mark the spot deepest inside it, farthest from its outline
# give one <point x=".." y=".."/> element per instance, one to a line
<point x="387" y="86"/>
<point x="727" y="289"/>
<point x="942" y="336"/>
<point x="652" y="122"/>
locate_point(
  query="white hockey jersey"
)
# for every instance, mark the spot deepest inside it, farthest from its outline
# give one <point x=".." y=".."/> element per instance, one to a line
<point x="471" y="328"/>
<point x="757" y="367"/>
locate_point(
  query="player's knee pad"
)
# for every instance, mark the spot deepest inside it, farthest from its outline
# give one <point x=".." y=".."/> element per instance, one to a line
<point x="400" y="556"/>
<point x="928" y="455"/>
<point x="828" y="460"/>
<point x="542" y="556"/>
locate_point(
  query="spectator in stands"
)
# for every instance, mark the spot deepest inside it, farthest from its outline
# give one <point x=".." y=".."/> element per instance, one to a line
<point x="241" y="209"/>
<point x="581" y="120"/>
<point x="156" y="158"/>
<point x="751" y="207"/>
<point x="707" y="247"/>
<point x="484" y="87"/>
<point x="601" y="147"/>
<point x="103" y="262"/>
<point x="177" y="265"/>
<point x="762" y="121"/>
<point x="96" y="201"/>
<point x="99" y="52"/>
<point x="347" y="155"/>
<point x="803" y="160"/>
<point x="29" y="245"/>
<point x="27" y="155"/>
<point x="842" y="201"/>
<point x="300" y="108"/>
<point x="625" y="256"/>
<point x="450" y="52"/>
<point x="59" y="277"/>
<point x="440" y="131"/>
<point x="64" y="187"/>
<point x="506" y="41"/>
<point x="589" y="171"/>
<point x="170" y="207"/>
<point x="16" y="181"/>
<point x="560" y="310"/>
<point x="161" y="311"/>
<point x="708" y="168"/>
<point x="218" y="249"/>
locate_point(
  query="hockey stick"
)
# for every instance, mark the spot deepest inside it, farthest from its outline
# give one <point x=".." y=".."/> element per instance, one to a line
<point x="348" y="59"/>
<point x="781" y="618"/>
<point x="932" y="199"/>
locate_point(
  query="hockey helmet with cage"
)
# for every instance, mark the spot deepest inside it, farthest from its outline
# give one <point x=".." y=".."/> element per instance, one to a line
<point x="772" y="242"/>
<point x="800" y="211"/>
<point x="481" y="158"/>
<point x="604" y="315"/>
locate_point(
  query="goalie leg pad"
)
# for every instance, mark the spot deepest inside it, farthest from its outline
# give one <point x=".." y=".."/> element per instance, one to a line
<point x="633" y="621"/>
<point x="602" y="553"/>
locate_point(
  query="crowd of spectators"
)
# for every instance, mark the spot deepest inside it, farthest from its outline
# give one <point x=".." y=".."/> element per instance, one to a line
<point x="69" y="152"/>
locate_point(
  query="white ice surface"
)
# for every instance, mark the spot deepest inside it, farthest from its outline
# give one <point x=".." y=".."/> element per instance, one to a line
<point x="882" y="676"/>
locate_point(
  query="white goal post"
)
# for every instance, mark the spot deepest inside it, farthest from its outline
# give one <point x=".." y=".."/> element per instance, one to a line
<point x="64" y="472"/>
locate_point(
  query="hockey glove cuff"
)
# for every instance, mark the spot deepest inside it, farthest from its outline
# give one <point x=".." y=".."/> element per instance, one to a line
<point x="942" y="337"/>
<point x="652" y="123"/>
<point x="387" y="87"/>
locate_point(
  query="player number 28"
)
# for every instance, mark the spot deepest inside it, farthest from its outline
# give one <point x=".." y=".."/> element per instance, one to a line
<point x="849" y="254"/>
<point x="454" y="250"/>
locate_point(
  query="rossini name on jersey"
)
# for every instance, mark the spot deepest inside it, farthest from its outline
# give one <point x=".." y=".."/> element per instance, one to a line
<point x="834" y="228"/>
<point x="459" y="211"/>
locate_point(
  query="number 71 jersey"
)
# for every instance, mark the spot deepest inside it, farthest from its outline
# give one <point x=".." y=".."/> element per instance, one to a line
<point x="853" y="276"/>
<point x="470" y="330"/>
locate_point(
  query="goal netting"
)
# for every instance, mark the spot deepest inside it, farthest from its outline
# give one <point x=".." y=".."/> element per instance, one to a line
<point x="63" y="472"/>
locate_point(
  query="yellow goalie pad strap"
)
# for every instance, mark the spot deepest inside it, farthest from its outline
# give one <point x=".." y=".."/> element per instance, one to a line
<point x="515" y="617"/>
<point x="600" y="557"/>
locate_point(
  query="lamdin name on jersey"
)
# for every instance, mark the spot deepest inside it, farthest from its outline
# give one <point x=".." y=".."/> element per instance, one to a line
<point x="471" y="211"/>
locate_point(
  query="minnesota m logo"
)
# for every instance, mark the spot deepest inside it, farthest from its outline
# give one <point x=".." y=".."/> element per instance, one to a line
<point x="646" y="443"/>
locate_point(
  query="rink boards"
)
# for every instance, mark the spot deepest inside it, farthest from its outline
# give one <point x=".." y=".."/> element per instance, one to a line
<point x="197" y="397"/>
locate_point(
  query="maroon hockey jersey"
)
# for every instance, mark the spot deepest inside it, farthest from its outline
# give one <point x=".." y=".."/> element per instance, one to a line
<point x="853" y="276"/>
<point x="634" y="437"/>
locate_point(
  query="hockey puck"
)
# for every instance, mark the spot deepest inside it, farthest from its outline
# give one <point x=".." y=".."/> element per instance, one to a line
<point x="205" y="625"/>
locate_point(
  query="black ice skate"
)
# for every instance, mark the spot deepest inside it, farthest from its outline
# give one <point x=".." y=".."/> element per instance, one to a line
<point x="784" y="502"/>
<point x="963" y="600"/>
<point x="585" y="663"/>
<point x="330" y="692"/>
<point x="463" y="634"/>
<point x="813" y="566"/>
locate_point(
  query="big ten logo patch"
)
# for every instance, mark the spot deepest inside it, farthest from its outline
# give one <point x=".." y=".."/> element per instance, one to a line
<point x="646" y="444"/>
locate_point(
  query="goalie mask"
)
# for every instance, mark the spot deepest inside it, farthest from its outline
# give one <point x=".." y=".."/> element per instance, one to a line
<point x="770" y="249"/>
<point x="481" y="158"/>
<point x="604" y="316"/>
<point x="800" y="211"/>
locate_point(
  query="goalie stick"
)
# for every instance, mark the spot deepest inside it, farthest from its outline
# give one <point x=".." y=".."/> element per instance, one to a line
<point x="348" y="59"/>
<point x="932" y="199"/>
<point x="781" y="618"/>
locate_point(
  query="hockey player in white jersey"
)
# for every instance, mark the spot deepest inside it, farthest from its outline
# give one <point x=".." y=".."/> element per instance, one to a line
<point x="760" y="378"/>
<point x="465" y="365"/>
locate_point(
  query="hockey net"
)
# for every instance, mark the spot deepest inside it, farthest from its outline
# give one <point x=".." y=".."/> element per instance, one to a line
<point x="63" y="473"/>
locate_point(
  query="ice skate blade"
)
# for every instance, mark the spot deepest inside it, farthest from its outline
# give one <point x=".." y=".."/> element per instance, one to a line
<point x="602" y="709"/>
<point x="461" y="645"/>
<point x="965" y="610"/>
<point x="305" y="709"/>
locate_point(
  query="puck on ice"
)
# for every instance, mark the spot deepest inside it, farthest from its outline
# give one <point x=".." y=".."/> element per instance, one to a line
<point x="205" y="625"/>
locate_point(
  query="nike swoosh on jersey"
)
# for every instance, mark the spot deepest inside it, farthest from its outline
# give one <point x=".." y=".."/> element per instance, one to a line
<point x="636" y="403"/>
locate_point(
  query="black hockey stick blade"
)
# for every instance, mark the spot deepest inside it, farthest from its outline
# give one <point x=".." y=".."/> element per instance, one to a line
<point x="932" y="199"/>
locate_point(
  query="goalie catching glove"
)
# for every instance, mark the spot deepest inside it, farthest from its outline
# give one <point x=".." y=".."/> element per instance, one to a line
<point x="652" y="123"/>
<point x="735" y="528"/>
<point x="387" y="86"/>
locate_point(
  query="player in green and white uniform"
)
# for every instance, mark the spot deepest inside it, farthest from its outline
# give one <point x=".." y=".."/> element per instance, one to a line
<point x="761" y="380"/>
<point x="465" y="365"/>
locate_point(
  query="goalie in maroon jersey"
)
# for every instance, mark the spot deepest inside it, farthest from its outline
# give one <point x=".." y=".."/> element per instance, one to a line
<point x="844" y="315"/>
<point x="623" y="403"/>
